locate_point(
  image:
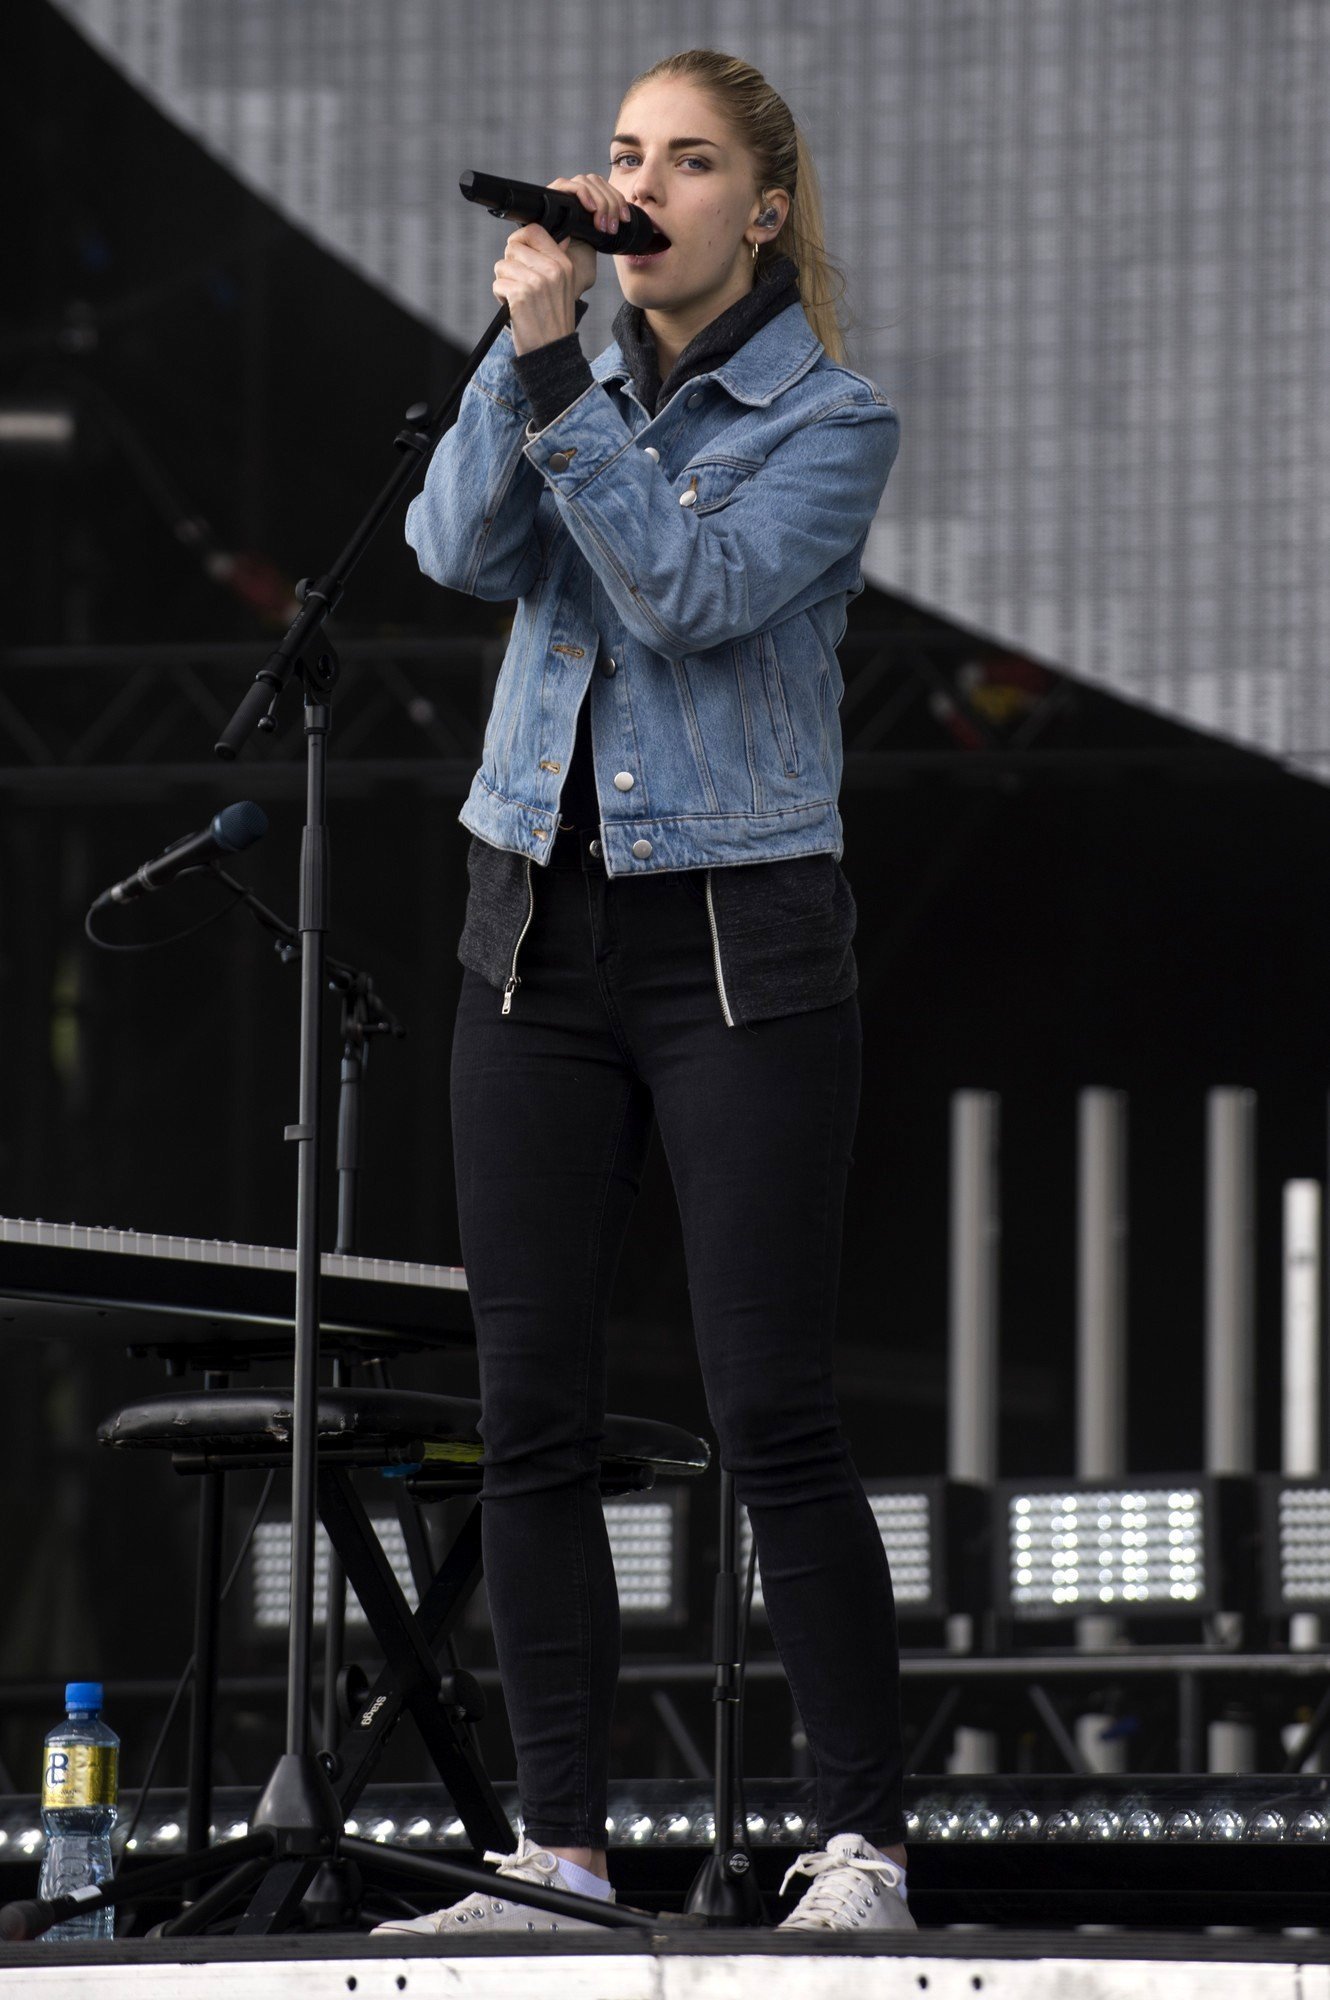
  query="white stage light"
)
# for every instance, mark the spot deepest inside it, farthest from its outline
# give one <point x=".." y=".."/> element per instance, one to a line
<point x="270" y="1561"/>
<point x="1160" y="1545"/>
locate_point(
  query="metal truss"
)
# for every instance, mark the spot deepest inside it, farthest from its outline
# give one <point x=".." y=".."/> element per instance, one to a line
<point x="125" y="721"/>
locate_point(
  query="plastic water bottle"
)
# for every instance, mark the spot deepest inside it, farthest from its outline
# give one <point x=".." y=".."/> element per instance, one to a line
<point x="80" y="1787"/>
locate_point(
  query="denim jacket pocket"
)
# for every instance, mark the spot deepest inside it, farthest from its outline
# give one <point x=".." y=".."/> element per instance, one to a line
<point x="781" y="726"/>
<point x="714" y="481"/>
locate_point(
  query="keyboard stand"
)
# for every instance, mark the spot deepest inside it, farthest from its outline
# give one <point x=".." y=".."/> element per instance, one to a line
<point x="434" y="1443"/>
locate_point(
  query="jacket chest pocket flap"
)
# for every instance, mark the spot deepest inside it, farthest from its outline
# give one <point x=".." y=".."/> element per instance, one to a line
<point x="714" y="482"/>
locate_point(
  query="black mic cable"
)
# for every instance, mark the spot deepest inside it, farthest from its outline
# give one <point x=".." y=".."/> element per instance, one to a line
<point x="228" y="832"/>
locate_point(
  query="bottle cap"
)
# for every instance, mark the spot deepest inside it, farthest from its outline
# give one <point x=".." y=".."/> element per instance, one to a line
<point x="83" y="1694"/>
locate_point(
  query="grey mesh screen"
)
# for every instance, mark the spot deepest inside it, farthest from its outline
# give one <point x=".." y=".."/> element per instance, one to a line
<point x="1086" y="246"/>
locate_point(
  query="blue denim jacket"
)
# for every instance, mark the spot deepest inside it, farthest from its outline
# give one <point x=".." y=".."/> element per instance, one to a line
<point x="782" y="930"/>
<point x="709" y="552"/>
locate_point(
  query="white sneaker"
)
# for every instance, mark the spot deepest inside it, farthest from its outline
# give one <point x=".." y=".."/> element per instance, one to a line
<point x="854" y="1888"/>
<point x="497" y="1913"/>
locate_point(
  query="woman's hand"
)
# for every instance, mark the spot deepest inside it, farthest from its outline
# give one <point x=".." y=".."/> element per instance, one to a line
<point x="541" y="280"/>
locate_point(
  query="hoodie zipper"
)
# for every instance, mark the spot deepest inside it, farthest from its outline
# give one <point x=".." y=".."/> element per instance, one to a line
<point x="513" y="981"/>
<point x="715" y="952"/>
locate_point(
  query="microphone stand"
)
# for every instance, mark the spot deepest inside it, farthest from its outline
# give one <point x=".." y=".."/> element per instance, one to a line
<point x="298" y="1807"/>
<point x="363" y="1014"/>
<point x="725" y="1889"/>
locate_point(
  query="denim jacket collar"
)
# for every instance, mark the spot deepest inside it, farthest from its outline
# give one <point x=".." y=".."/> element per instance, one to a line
<point x="776" y="287"/>
<point x="761" y="369"/>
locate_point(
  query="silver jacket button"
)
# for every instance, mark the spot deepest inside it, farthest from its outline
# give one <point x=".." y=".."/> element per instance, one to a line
<point x="608" y="665"/>
<point x="688" y="499"/>
<point x="595" y="849"/>
<point x="558" y="461"/>
<point x="623" y="781"/>
<point x="651" y="452"/>
<point x="694" y="399"/>
<point x="641" y="849"/>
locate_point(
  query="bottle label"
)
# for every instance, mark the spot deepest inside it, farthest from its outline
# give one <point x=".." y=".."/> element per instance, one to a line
<point x="80" y="1774"/>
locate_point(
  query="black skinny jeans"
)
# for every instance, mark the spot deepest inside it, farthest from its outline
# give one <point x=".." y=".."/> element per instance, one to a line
<point x="617" y="1021"/>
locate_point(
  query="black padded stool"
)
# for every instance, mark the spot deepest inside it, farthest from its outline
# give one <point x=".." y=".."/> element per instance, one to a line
<point x="414" y="1433"/>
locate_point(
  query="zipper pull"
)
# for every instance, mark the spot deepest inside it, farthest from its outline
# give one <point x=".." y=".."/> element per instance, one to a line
<point x="508" y="992"/>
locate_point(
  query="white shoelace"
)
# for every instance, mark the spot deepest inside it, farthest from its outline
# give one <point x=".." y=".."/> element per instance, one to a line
<point x="526" y="1862"/>
<point x="836" y="1892"/>
<point x="524" y="1865"/>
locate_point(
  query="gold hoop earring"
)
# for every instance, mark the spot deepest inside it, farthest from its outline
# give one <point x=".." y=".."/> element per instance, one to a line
<point x="756" y="248"/>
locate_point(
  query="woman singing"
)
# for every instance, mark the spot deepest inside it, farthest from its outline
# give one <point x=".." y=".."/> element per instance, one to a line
<point x="658" y="930"/>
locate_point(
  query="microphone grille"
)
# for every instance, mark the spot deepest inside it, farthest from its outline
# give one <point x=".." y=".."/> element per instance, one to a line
<point x="236" y="827"/>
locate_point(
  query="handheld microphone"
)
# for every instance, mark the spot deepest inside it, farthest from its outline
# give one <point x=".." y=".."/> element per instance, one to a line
<point x="559" y="212"/>
<point x="228" y="832"/>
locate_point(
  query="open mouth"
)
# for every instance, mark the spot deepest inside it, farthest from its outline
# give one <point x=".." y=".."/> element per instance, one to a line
<point x="660" y="243"/>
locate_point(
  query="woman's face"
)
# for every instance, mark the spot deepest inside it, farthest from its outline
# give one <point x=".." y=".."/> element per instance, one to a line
<point x="700" y="195"/>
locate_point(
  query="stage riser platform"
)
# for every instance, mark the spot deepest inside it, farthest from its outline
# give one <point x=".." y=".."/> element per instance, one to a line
<point x="637" y="1976"/>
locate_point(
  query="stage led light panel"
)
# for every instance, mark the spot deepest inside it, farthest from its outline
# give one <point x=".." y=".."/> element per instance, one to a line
<point x="270" y="1565"/>
<point x="1157" y="1545"/>
<point x="646" y="1543"/>
<point x="1092" y="1550"/>
<point x="647" y="1535"/>
<point x="1294" y="1544"/>
<point x="933" y="1532"/>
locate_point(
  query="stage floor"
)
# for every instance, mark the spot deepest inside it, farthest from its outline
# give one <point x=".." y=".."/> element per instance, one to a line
<point x="716" y="1965"/>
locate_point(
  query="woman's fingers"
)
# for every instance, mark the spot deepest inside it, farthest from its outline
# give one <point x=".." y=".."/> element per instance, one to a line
<point x="520" y="250"/>
<point x="602" y="202"/>
<point x="531" y="236"/>
<point x="539" y="272"/>
<point x="533" y="260"/>
<point x="599" y="199"/>
<point x="521" y="264"/>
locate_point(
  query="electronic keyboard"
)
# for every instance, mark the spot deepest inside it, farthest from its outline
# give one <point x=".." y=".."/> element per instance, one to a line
<point x="173" y="1294"/>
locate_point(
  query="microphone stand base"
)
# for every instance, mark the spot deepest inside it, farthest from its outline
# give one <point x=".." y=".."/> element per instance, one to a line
<point x="299" y="1807"/>
<point x="725" y="1891"/>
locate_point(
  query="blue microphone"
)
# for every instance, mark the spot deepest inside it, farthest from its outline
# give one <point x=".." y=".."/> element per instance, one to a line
<point x="230" y="831"/>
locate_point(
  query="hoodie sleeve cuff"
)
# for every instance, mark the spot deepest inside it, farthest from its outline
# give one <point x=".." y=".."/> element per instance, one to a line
<point x="554" y="376"/>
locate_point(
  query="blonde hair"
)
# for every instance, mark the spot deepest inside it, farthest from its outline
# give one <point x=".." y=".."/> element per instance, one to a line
<point x="765" y="126"/>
